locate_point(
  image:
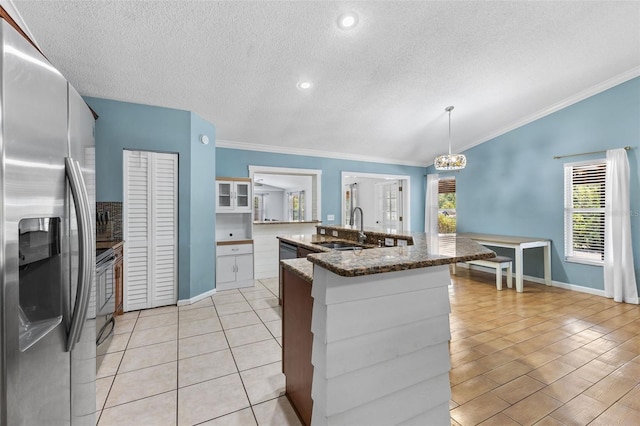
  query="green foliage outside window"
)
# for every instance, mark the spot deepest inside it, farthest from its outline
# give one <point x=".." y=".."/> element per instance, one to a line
<point x="447" y="213"/>
<point x="447" y="201"/>
<point x="295" y="207"/>
<point x="446" y="224"/>
<point x="588" y="226"/>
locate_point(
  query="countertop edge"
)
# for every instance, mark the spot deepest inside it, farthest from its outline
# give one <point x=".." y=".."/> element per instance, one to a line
<point x="300" y="267"/>
<point x="427" y="251"/>
<point x="109" y="244"/>
<point x="284" y="222"/>
<point x="399" y="266"/>
<point x="232" y="242"/>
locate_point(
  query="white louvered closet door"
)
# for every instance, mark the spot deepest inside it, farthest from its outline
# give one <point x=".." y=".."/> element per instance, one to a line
<point x="164" y="227"/>
<point x="150" y="229"/>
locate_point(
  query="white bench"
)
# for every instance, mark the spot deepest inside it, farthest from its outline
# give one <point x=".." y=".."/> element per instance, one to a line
<point x="498" y="263"/>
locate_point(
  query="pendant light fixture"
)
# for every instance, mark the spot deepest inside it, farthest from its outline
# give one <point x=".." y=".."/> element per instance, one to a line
<point x="450" y="161"/>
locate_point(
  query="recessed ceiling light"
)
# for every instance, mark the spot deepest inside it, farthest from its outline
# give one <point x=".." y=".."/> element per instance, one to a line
<point x="348" y="20"/>
<point x="304" y="85"/>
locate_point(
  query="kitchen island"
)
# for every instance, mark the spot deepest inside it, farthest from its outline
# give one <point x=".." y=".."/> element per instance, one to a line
<point x="379" y="331"/>
<point x="265" y="243"/>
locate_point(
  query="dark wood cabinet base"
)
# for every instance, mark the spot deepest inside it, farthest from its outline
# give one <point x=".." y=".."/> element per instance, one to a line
<point x="297" y="342"/>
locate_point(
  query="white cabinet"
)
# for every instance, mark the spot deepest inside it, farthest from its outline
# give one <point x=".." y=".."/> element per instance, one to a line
<point x="234" y="266"/>
<point x="233" y="195"/>
<point x="234" y="247"/>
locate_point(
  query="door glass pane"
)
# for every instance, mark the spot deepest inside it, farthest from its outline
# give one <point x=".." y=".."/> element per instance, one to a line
<point x="389" y="196"/>
<point x="295" y="206"/>
<point x="242" y="192"/>
<point x="224" y="194"/>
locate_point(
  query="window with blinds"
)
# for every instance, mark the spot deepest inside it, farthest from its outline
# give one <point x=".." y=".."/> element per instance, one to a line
<point x="584" y="195"/>
<point x="447" y="185"/>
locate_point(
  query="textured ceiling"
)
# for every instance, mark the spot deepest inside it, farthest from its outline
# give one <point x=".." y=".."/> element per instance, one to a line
<point x="380" y="89"/>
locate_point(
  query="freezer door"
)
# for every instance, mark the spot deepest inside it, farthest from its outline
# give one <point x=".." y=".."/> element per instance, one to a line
<point x="83" y="356"/>
<point x="34" y="260"/>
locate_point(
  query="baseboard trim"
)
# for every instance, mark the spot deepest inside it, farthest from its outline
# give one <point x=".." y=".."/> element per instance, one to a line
<point x="559" y="284"/>
<point x="197" y="298"/>
<point x="567" y="286"/>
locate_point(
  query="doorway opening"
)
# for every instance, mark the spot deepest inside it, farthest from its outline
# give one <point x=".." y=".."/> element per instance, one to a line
<point x="384" y="199"/>
<point x="285" y="195"/>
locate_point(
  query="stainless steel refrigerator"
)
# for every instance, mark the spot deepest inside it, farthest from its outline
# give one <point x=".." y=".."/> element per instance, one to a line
<point x="47" y="258"/>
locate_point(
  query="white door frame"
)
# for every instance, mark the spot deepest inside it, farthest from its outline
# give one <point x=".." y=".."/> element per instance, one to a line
<point x="406" y="192"/>
<point x="315" y="174"/>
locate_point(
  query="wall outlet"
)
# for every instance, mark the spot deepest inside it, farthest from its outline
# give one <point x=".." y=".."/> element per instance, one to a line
<point x="322" y="231"/>
<point x="388" y="242"/>
<point x="402" y="243"/>
<point x="334" y="233"/>
<point x="331" y="217"/>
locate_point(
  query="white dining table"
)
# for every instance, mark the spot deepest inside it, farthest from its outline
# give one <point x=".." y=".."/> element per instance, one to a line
<point x="519" y="244"/>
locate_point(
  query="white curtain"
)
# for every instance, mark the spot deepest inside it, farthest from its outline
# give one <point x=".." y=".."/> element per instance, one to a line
<point x="431" y="205"/>
<point x="619" y="273"/>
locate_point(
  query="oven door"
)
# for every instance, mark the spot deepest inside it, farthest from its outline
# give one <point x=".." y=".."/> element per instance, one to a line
<point x="105" y="305"/>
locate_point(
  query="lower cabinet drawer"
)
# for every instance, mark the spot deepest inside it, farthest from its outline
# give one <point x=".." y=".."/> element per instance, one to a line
<point x="234" y="249"/>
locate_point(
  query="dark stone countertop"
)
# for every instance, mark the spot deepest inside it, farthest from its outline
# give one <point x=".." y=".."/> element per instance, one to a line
<point x="428" y="250"/>
<point x="301" y="267"/>
<point x="311" y="241"/>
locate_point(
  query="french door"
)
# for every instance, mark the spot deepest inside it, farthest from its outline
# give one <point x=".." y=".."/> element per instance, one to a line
<point x="389" y="205"/>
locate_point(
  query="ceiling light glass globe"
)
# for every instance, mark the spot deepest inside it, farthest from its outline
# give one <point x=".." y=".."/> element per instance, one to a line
<point x="347" y="20"/>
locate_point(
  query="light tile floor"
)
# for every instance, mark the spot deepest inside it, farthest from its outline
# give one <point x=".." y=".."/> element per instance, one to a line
<point x="216" y="362"/>
<point x="547" y="356"/>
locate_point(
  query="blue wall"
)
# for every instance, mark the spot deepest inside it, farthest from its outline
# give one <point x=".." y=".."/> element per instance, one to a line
<point x="123" y="125"/>
<point x="513" y="186"/>
<point x="235" y="162"/>
<point x="203" y="207"/>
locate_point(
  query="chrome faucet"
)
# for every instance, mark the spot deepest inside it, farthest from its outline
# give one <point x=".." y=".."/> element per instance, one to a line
<point x="362" y="237"/>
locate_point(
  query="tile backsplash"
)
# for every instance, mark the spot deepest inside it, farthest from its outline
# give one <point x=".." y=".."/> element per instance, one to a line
<point x="110" y="230"/>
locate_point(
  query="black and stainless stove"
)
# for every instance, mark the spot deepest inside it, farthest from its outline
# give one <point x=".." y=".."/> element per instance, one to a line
<point x="103" y="254"/>
<point x="105" y="300"/>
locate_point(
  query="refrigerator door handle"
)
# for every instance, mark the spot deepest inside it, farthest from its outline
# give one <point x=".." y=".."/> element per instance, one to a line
<point x="80" y="197"/>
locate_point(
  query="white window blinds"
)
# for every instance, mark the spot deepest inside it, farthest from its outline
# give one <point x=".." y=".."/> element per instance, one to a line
<point x="584" y="190"/>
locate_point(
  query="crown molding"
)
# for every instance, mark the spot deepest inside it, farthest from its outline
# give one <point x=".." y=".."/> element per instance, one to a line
<point x="587" y="93"/>
<point x="580" y="96"/>
<point x="221" y="143"/>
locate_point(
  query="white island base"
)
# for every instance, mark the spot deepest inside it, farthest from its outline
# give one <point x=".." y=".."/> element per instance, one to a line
<point x="380" y="348"/>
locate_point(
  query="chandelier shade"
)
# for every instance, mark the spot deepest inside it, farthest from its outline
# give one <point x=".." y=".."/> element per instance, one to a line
<point x="450" y="161"/>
